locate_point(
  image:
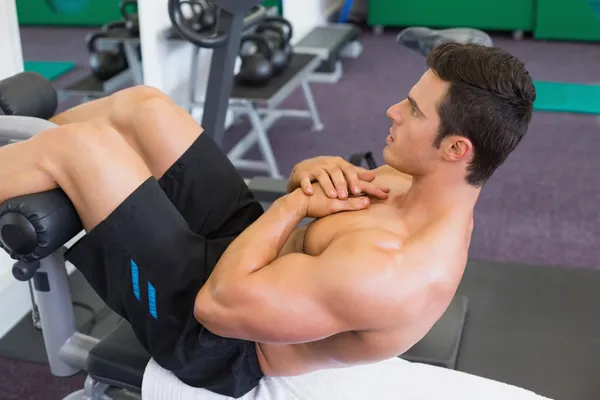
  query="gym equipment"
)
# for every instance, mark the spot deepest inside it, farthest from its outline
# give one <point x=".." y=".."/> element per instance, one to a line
<point x="208" y="15"/>
<point x="115" y="28"/>
<point x="423" y="40"/>
<point x="278" y="33"/>
<point x="104" y="63"/>
<point x="567" y="97"/>
<point x="256" y="54"/>
<point x="262" y="105"/>
<point x="203" y="16"/>
<point x="280" y="22"/>
<point x="132" y="22"/>
<point x="27" y="93"/>
<point x="330" y="42"/>
<point x="345" y="11"/>
<point x="225" y="41"/>
<point x="358" y="158"/>
<point x="117" y="38"/>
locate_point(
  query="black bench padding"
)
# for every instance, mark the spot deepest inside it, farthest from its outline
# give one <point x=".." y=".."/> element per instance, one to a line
<point x="119" y="359"/>
<point x="28" y="94"/>
<point x="440" y="347"/>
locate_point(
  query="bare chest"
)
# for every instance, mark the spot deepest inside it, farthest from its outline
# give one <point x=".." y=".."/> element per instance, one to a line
<point x="382" y="214"/>
<point x="320" y="233"/>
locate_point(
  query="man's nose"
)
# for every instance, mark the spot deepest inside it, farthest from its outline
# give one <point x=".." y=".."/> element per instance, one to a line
<point x="393" y="113"/>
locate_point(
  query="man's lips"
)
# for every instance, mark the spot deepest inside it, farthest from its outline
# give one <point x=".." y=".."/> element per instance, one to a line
<point x="390" y="138"/>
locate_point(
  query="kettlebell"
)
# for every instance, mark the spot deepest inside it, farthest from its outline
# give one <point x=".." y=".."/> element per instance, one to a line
<point x="281" y="53"/>
<point x="104" y="64"/>
<point x="288" y="31"/>
<point x="279" y="33"/>
<point x="256" y="68"/>
<point x="132" y="20"/>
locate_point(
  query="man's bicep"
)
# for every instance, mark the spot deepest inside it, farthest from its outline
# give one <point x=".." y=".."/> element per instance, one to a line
<point x="310" y="298"/>
<point x="287" y="302"/>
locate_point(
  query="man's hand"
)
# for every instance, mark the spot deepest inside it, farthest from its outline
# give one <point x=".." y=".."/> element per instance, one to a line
<point x="319" y="205"/>
<point x="337" y="177"/>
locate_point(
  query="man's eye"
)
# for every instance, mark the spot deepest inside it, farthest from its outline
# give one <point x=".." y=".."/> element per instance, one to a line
<point x="414" y="112"/>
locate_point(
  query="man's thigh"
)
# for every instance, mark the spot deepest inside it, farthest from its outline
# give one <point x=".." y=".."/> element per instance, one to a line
<point x="209" y="192"/>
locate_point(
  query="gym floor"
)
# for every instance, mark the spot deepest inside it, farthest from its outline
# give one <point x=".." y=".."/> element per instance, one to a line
<point x="540" y="207"/>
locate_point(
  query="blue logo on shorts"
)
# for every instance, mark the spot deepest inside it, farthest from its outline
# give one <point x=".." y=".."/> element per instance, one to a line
<point x="152" y="300"/>
<point x="135" y="279"/>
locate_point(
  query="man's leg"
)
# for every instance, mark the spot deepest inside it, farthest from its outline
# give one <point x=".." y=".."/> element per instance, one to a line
<point x="146" y="261"/>
<point x="21" y="172"/>
<point x="148" y="264"/>
<point x="94" y="166"/>
<point x="196" y="175"/>
<point x="154" y="126"/>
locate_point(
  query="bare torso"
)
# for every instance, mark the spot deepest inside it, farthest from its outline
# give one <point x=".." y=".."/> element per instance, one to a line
<point x="447" y="243"/>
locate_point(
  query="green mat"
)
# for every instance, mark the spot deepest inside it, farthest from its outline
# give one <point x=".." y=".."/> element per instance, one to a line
<point x="567" y="97"/>
<point x="49" y="69"/>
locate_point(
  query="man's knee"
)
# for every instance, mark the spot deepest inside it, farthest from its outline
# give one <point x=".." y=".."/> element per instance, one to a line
<point x="134" y="105"/>
<point x="138" y="93"/>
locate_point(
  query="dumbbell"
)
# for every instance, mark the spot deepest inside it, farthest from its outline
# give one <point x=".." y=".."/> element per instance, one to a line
<point x="256" y="68"/>
<point x="278" y="33"/>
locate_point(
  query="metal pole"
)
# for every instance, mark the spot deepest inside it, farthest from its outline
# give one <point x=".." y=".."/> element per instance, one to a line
<point x="220" y="79"/>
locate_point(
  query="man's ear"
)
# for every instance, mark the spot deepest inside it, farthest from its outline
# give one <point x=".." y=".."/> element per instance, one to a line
<point x="457" y="148"/>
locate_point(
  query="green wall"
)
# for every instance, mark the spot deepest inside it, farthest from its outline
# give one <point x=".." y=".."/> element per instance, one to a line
<point x="75" y="12"/>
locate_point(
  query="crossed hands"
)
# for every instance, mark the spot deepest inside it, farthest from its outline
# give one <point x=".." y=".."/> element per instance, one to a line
<point x="332" y="184"/>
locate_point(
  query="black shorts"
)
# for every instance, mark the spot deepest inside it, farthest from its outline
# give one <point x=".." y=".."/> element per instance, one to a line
<point x="152" y="254"/>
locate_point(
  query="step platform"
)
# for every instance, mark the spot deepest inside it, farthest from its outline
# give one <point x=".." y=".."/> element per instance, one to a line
<point x="330" y="42"/>
<point x="91" y="87"/>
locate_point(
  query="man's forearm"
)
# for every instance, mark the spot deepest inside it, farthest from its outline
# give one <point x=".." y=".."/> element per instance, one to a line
<point x="262" y="241"/>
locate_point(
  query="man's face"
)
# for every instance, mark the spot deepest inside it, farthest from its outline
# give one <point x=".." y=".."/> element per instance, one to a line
<point x="415" y="123"/>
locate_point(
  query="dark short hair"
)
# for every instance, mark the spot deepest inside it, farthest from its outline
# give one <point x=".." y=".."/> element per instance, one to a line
<point x="489" y="101"/>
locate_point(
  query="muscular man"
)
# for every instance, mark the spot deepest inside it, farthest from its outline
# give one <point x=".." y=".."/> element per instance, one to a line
<point x="222" y="293"/>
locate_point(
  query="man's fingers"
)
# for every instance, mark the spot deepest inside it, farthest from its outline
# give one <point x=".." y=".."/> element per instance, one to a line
<point x="365" y="174"/>
<point x="374" y="190"/>
<point x="325" y="181"/>
<point x="306" y="185"/>
<point x="339" y="181"/>
<point x="350" y="204"/>
<point x="357" y="203"/>
<point x="351" y="174"/>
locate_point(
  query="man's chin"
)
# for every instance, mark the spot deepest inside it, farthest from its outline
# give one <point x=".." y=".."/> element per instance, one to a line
<point x="387" y="154"/>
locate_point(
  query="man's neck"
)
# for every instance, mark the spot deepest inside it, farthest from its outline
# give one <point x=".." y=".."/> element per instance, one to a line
<point x="439" y="193"/>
